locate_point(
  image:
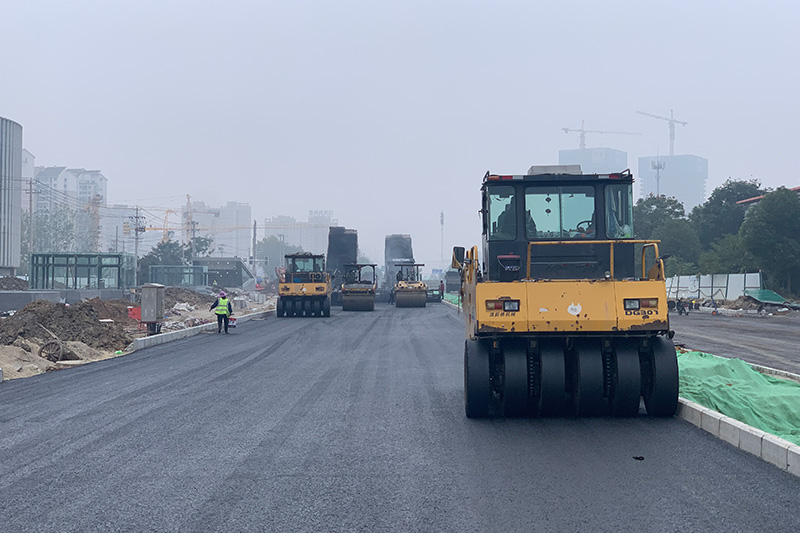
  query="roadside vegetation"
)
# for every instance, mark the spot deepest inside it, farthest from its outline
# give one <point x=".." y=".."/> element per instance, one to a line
<point x="721" y="236"/>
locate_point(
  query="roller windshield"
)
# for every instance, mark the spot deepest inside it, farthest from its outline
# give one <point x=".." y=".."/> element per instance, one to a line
<point x="502" y="214"/>
<point x="305" y="264"/>
<point x="619" y="212"/>
<point x="560" y="212"/>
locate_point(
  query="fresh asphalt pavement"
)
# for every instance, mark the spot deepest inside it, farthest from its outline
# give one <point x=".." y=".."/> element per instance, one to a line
<point x="349" y="423"/>
<point x="772" y="341"/>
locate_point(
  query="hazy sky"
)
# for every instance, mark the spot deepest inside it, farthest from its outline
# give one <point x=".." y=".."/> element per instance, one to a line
<point x="387" y="112"/>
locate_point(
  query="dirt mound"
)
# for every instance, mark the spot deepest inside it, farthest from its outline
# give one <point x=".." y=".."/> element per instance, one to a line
<point x="116" y="310"/>
<point x="70" y="323"/>
<point x="744" y="302"/>
<point x="13" y="284"/>
<point x="174" y="295"/>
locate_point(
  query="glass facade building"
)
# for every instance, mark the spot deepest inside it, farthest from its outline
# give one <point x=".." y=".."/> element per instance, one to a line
<point x="10" y="196"/>
<point x="82" y="271"/>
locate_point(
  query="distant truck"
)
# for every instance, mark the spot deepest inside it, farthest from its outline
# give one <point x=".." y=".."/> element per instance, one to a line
<point x="342" y="250"/>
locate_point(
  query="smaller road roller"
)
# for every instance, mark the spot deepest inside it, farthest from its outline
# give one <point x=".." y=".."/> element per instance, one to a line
<point x="305" y="287"/>
<point x="409" y="289"/>
<point x="358" y="287"/>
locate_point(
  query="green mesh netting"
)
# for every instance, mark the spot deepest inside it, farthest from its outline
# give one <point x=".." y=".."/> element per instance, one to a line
<point x="452" y="298"/>
<point x="733" y="388"/>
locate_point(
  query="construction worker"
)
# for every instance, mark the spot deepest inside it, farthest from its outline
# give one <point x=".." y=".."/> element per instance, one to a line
<point x="224" y="311"/>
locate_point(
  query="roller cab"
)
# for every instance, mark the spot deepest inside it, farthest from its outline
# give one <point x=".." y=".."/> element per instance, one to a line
<point x="560" y="320"/>
<point x="304" y="287"/>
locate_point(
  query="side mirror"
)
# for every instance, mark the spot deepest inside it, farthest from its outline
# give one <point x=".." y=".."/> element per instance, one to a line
<point x="458" y="257"/>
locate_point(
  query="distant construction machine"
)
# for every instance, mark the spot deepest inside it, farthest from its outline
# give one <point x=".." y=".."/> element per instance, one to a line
<point x="305" y="287"/>
<point x="558" y="319"/>
<point x="397" y="250"/>
<point x="358" y="289"/>
<point x="409" y="289"/>
<point x="342" y="250"/>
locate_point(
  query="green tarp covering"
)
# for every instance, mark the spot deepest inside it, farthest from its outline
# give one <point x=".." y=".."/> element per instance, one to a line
<point x="733" y="388"/>
<point x="765" y="295"/>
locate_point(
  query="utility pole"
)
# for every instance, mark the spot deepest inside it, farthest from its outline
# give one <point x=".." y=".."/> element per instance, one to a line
<point x="30" y="220"/>
<point x="253" y="262"/>
<point x="190" y="227"/>
<point x="138" y="227"/>
<point x="441" y="253"/>
<point x="658" y="165"/>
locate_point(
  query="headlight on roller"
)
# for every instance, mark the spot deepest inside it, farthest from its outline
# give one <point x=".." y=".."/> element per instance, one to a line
<point x="631" y="305"/>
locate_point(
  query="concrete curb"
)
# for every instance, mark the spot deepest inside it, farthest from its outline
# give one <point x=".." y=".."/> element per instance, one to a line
<point x="155" y="340"/>
<point x="775" y="450"/>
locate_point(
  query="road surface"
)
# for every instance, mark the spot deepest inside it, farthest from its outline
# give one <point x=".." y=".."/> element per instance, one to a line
<point x="349" y="423"/>
<point x="772" y="341"/>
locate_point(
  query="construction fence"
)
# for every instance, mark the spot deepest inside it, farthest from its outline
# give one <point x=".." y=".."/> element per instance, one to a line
<point x="716" y="286"/>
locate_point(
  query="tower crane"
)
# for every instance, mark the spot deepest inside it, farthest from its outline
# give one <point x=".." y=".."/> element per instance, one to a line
<point x="584" y="131"/>
<point x="672" y="123"/>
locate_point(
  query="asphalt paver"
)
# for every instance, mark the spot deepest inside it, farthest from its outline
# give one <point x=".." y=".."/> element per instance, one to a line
<point x="349" y="423"/>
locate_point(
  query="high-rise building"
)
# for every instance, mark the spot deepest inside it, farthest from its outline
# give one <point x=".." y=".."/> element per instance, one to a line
<point x="10" y="196"/>
<point x="230" y="227"/>
<point x="680" y="176"/>
<point x="311" y="236"/>
<point x="595" y="160"/>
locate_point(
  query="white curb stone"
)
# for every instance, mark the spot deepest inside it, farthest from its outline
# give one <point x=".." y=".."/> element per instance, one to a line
<point x="775" y="450"/>
<point x="750" y="441"/>
<point x="793" y="460"/>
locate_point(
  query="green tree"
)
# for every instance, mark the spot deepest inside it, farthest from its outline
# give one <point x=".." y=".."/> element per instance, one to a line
<point x="653" y="212"/>
<point x="680" y="241"/>
<point x="727" y="255"/>
<point x="164" y="253"/>
<point x="720" y="215"/>
<point x="771" y="233"/>
<point x="271" y="250"/>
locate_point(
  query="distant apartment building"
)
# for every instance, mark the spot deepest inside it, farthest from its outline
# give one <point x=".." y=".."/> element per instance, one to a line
<point x="230" y="227"/>
<point x="595" y="160"/>
<point x="311" y="236"/>
<point x="71" y="187"/>
<point x="10" y="196"/>
<point x="680" y="176"/>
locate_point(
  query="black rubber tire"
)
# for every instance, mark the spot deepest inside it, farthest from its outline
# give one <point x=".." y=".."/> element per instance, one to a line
<point x="317" y="308"/>
<point x="660" y="378"/>
<point x="326" y="307"/>
<point x="279" y="308"/>
<point x="626" y="381"/>
<point x="307" y="307"/>
<point x="297" y="307"/>
<point x="515" y="393"/>
<point x="477" y="385"/>
<point x="552" y="378"/>
<point x="587" y="379"/>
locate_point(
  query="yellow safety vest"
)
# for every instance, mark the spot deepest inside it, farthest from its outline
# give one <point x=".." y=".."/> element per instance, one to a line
<point x="222" y="306"/>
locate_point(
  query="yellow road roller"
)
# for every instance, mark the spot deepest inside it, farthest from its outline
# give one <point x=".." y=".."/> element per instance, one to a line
<point x="305" y="287"/>
<point x="358" y="287"/>
<point x="409" y="289"/>
<point x="559" y="318"/>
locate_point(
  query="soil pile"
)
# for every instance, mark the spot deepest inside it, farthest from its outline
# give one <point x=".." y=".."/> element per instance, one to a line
<point x="174" y="295"/>
<point x="744" y="302"/>
<point x="116" y="310"/>
<point x="74" y="323"/>
<point x="13" y="284"/>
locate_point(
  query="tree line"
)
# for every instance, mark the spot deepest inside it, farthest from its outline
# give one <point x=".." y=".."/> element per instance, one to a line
<point x="721" y="236"/>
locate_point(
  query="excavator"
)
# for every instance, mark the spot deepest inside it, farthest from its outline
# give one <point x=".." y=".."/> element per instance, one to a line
<point x="358" y="287"/>
<point x="409" y="289"/>
<point x="559" y="319"/>
<point x="304" y="287"/>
